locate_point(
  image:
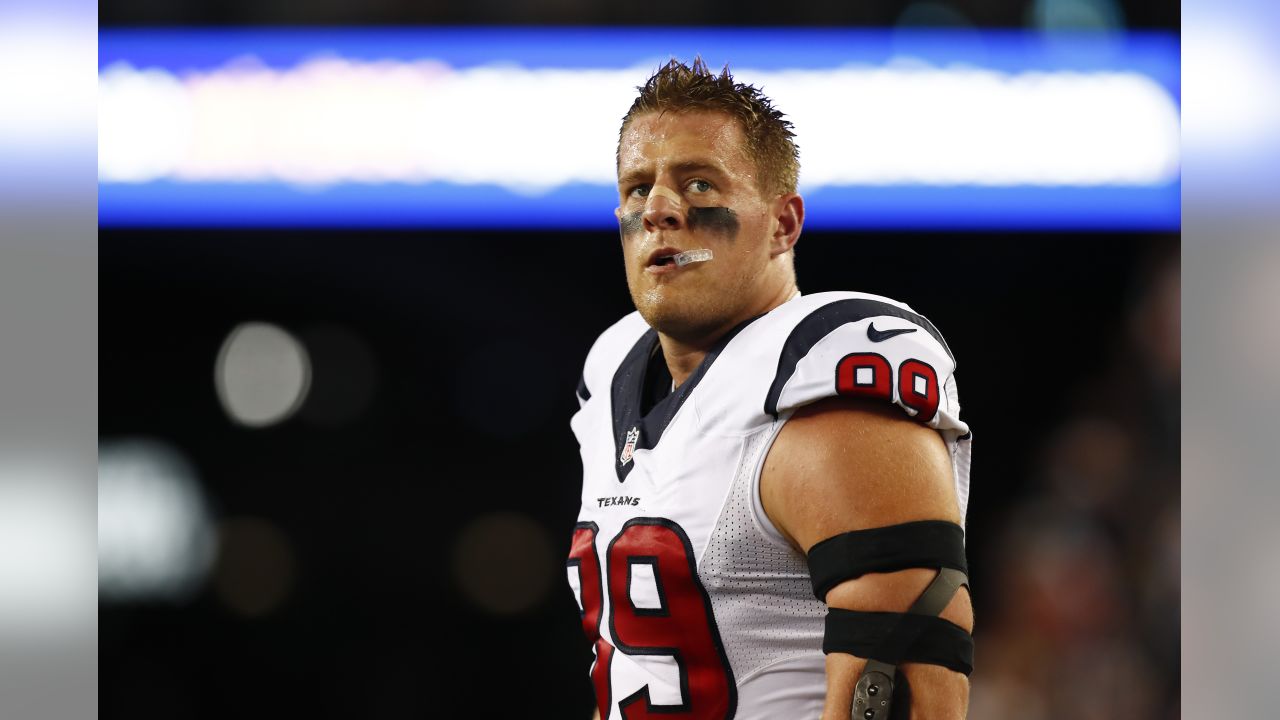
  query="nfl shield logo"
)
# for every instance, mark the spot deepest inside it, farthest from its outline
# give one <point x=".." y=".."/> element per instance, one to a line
<point x="629" y="448"/>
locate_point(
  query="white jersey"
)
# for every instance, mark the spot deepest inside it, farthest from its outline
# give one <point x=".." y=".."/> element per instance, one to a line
<point x="695" y="604"/>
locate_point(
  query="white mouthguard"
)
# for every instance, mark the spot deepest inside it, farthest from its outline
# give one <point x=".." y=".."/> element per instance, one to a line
<point x="691" y="256"/>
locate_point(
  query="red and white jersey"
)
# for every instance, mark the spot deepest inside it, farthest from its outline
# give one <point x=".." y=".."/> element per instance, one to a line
<point x="696" y="606"/>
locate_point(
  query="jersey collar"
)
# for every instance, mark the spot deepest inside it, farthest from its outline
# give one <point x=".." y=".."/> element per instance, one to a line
<point x="643" y="431"/>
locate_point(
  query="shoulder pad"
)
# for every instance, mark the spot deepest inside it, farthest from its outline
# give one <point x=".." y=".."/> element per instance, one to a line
<point x="866" y="346"/>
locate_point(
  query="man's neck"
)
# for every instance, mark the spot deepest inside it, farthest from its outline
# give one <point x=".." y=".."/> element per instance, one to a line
<point x="683" y="355"/>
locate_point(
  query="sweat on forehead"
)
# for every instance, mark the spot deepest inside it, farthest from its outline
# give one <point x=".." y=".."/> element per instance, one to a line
<point x="669" y="151"/>
<point x="703" y="136"/>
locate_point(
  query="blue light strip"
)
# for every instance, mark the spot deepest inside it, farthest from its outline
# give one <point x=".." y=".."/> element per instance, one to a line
<point x="1156" y="55"/>
<point x="450" y="206"/>
<point x="590" y="207"/>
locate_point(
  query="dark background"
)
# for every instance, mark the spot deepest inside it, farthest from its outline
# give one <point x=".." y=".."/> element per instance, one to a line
<point x="1137" y="14"/>
<point x="470" y="345"/>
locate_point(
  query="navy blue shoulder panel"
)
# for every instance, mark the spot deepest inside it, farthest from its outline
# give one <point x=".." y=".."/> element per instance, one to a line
<point x="821" y="323"/>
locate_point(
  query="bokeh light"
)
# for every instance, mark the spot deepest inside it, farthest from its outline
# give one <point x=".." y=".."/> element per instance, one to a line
<point x="256" y="566"/>
<point x="155" y="539"/>
<point x="1075" y="15"/>
<point x="262" y="374"/>
<point x="503" y="562"/>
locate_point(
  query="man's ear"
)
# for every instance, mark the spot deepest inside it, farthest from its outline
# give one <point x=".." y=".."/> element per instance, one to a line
<point x="617" y="212"/>
<point x="788" y="212"/>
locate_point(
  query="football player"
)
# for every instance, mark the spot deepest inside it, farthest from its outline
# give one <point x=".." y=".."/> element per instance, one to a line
<point x="774" y="484"/>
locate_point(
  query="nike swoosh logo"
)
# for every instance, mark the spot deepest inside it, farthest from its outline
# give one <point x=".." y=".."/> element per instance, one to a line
<point x="875" y="335"/>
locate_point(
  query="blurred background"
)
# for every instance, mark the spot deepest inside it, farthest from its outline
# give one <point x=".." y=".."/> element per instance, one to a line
<point x="335" y="469"/>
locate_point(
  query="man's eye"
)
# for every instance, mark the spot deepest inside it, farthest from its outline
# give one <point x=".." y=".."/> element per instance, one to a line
<point x="700" y="186"/>
<point x="640" y="191"/>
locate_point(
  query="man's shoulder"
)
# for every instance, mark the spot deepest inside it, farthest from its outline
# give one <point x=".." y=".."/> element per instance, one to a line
<point x="629" y="327"/>
<point x="609" y="349"/>
<point x="855" y="320"/>
<point x="852" y="344"/>
<point x="820" y="313"/>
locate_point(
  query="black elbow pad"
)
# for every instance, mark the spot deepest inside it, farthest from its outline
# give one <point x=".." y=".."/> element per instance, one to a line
<point x="887" y="639"/>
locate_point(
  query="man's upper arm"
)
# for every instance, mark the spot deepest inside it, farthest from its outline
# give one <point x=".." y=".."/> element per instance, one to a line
<point x="840" y="465"/>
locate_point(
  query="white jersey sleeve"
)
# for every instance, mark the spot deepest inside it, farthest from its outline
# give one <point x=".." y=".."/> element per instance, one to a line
<point x="865" y="346"/>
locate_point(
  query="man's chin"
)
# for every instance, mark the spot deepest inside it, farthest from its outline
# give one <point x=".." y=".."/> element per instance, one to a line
<point x="680" y="320"/>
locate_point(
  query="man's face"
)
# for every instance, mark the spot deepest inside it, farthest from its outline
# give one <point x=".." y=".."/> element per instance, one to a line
<point x="685" y="182"/>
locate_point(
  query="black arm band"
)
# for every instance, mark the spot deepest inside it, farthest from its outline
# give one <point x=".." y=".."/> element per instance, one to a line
<point x="928" y="639"/>
<point x="921" y="544"/>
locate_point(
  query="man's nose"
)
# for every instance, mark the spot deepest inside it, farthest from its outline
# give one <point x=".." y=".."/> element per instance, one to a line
<point x="663" y="211"/>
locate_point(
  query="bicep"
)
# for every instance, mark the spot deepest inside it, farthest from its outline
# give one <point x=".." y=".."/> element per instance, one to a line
<point x="840" y="465"/>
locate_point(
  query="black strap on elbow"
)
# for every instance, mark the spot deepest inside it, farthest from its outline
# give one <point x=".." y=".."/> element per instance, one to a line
<point x="896" y="638"/>
<point x="921" y="544"/>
